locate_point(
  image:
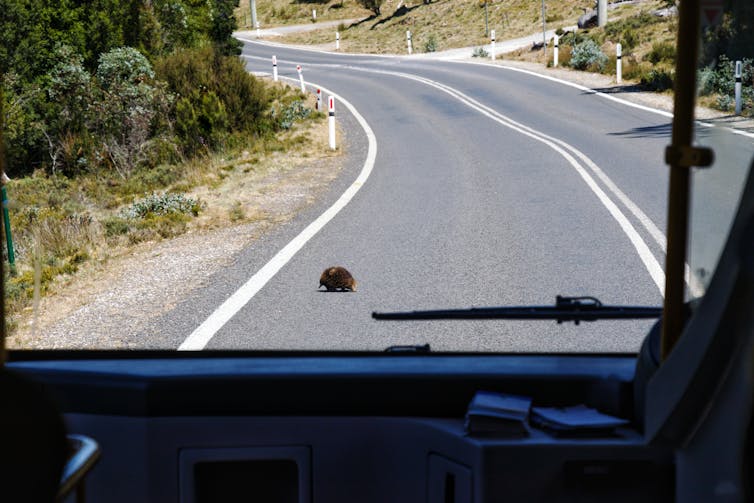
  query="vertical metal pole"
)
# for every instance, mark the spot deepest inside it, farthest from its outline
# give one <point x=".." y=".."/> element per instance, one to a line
<point x="544" y="31"/>
<point x="739" y="74"/>
<point x="601" y="12"/>
<point x="486" y="20"/>
<point x="679" y="186"/>
<point x="6" y="226"/>
<point x="253" y="7"/>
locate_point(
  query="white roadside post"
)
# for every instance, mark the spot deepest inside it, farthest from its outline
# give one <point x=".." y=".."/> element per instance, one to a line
<point x="337" y="40"/>
<point x="274" y="68"/>
<point x="739" y="74"/>
<point x="319" y="99"/>
<point x="555" y="53"/>
<point x="331" y="120"/>
<point x="618" y="64"/>
<point x="492" y="47"/>
<point x="259" y="35"/>
<point x="408" y="40"/>
<point x="314" y="14"/>
<point x="301" y="78"/>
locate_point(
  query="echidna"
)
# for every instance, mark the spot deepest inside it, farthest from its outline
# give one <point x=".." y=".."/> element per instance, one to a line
<point x="337" y="278"/>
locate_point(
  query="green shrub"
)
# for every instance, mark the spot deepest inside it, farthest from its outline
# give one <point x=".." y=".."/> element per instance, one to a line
<point x="480" y="52"/>
<point x="115" y="226"/>
<point x="161" y="205"/>
<point x="200" y="121"/>
<point x="123" y="65"/>
<point x="245" y="98"/>
<point x="431" y="44"/>
<point x="725" y="103"/>
<point x="588" y="55"/>
<point x="661" y="52"/>
<point x="657" y="80"/>
<point x="290" y="113"/>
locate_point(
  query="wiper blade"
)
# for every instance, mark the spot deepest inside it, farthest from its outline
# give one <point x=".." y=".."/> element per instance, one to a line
<point x="575" y="309"/>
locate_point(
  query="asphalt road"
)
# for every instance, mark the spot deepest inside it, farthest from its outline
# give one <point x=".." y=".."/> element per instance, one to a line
<point x="489" y="187"/>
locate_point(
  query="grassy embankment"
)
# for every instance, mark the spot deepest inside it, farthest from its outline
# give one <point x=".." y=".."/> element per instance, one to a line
<point x="647" y="40"/>
<point x="61" y="224"/>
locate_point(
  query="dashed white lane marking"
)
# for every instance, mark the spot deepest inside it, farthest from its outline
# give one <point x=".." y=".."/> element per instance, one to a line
<point x="203" y="334"/>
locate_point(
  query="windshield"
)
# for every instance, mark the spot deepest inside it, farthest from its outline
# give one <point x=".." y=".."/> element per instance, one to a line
<point x="266" y="175"/>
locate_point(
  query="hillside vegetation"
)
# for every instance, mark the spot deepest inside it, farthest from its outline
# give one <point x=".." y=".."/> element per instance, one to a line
<point x="646" y="33"/>
<point x="113" y="113"/>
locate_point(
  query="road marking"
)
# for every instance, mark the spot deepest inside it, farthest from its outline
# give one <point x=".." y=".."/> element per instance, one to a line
<point x="645" y="254"/>
<point x="650" y="262"/>
<point x="604" y="95"/>
<point x="201" y="336"/>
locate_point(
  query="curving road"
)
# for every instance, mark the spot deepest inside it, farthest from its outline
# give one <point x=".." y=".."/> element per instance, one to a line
<point x="467" y="185"/>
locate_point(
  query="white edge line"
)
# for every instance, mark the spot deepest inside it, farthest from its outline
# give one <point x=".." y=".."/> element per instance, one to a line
<point x="506" y="67"/>
<point x="647" y="257"/>
<point x="201" y="336"/>
<point x="602" y="95"/>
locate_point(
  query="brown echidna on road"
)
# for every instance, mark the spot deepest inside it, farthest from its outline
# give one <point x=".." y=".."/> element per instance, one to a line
<point x="337" y="278"/>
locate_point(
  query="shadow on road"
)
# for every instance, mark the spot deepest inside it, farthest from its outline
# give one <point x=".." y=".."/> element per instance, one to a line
<point x="661" y="131"/>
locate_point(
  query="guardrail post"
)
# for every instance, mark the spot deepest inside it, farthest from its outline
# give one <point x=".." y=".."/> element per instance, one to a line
<point x="618" y="64"/>
<point x="739" y="74"/>
<point x="301" y="78"/>
<point x="555" y="52"/>
<point x="331" y="120"/>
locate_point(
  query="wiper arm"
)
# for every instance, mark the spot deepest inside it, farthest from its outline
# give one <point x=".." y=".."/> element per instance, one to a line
<point x="574" y="309"/>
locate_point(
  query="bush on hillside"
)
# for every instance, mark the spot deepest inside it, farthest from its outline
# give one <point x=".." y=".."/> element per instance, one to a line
<point x="587" y="55"/>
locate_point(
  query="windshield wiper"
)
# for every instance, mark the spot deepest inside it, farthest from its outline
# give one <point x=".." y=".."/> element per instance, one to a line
<point x="574" y="309"/>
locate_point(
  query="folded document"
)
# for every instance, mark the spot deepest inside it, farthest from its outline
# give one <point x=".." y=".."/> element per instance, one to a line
<point x="491" y="413"/>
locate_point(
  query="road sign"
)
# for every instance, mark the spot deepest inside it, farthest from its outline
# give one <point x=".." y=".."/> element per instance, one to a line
<point x="711" y="12"/>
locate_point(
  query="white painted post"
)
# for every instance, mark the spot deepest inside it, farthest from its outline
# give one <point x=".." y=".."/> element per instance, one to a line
<point x="408" y="40"/>
<point x="739" y="74"/>
<point x="331" y="120"/>
<point x="337" y="40"/>
<point x="314" y="14"/>
<point x="259" y="35"/>
<point x="555" y="53"/>
<point x="618" y="64"/>
<point x="319" y="99"/>
<point x="301" y="78"/>
<point x="492" y="48"/>
<point x="274" y="68"/>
